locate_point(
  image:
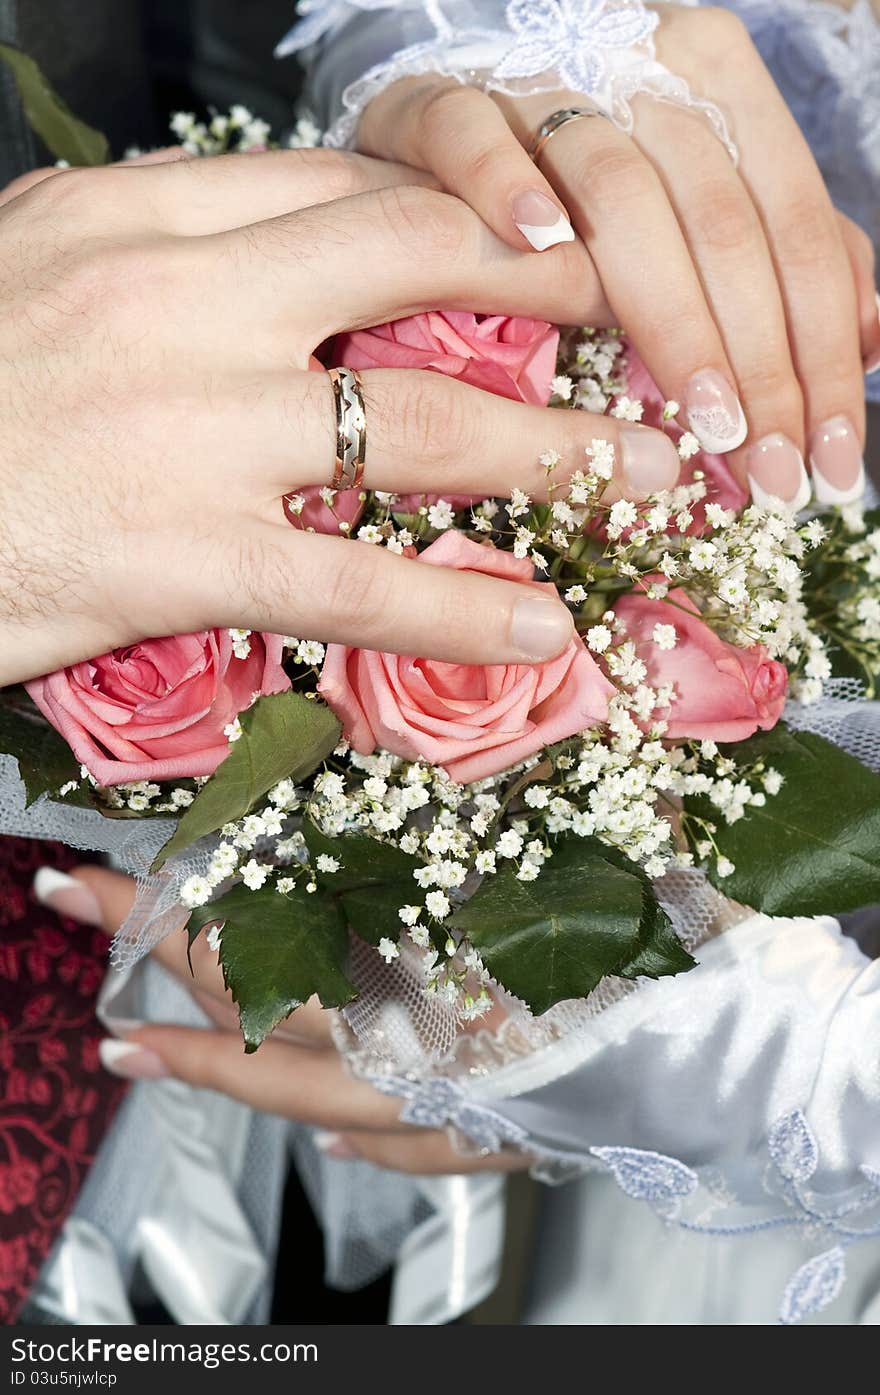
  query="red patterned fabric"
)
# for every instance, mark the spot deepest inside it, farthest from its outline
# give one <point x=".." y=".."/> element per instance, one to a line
<point x="56" y="1101"/>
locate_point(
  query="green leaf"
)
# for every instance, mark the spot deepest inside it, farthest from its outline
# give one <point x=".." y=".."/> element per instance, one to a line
<point x="591" y="912"/>
<point x="64" y="134"/>
<point x="283" y="736"/>
<point x="814" y="848"/>
<point x="276" y="952"/>
<point x="661" y="952"/>
<point x="373" y="881"/>
<point x="45" y="761"/>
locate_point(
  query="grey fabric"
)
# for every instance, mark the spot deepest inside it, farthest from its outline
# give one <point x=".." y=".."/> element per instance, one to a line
<point x="94" y="52"/>
<point x="16" y="146"/>
<point x="124" y="65"/>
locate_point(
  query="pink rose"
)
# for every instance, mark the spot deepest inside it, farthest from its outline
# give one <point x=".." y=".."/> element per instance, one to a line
<point x="722" y="693"/>
<point x="506" y="354"/>
<point x="723" y="488"/>
<point x="156" y="710"/>
<point x="472" y="720"/>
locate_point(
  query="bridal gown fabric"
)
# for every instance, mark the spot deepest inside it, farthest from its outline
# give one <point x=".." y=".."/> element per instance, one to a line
<point x="718" y="1135"/>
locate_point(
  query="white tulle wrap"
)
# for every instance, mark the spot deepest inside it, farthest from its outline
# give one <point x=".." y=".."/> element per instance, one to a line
<point x="601" y="49"/>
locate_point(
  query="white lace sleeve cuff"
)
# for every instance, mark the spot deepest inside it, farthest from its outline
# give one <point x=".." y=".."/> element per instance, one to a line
<point x="602" y="49"/>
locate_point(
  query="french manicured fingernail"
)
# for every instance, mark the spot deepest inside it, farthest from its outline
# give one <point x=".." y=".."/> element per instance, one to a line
<point x="776" y="473"/>
<point x="541" y="628"/>
<point x="131" y="1061"/>
<point x="649" y="458"/>
<point x="66" y="896"/>
<point x="837" y="463"/>
<point x="332" y="1145"/>
<point x="540" y="220"/>
<point x="873" y="363"/>
<point x="714" y="412"/>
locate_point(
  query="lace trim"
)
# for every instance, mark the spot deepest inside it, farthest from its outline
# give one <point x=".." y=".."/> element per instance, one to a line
<point x="682" y="1197"/>
<point x="603" y="49"/>
<point x="697" y="1201"/>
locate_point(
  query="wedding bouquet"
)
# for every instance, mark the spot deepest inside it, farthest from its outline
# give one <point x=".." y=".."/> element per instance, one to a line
<point x="509" y="825"/>
<point x="508" y="822"/>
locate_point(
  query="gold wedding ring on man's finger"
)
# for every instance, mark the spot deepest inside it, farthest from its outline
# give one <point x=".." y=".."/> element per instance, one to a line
<point x="351" y="428"/>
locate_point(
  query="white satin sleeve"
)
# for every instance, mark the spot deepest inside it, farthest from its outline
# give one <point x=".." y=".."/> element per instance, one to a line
<point x="354" y="49"/>
<point x="741" y="1097"/>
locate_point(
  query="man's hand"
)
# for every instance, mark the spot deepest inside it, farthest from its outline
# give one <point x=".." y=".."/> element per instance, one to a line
<point x="157" y="325"/>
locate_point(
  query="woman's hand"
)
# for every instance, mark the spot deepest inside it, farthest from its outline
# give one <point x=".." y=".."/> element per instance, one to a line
<point x="297" y="1073"/>
<point x="751" y="301"/>
<point x="156" y="405"/>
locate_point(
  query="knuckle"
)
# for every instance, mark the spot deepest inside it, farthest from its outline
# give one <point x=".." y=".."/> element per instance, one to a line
<point x="712" y="37"/>
<point x="200" y="1061"/>
<point x="112" y="282"/>
<point x="724" y="219"/>
<point x="683" y="325"/>
<point x="719" y="31"/>
<point x="338" y="174"/>
<point x="23" y="183"/>
<point x="771" y="383"/>
<point x="425" y="222"/>
<point x="442" y="111"/>
<point x="836" y="381"/>
<point x="434" y="421"/>
<point x="361" y="591"/>
<point x="808" y="239"/>
<point x="83" y="195"/>
<point x="83" y="281"/>
<point x="860" y="243"/>
<point x="491" y="165"/>
<point x="616" y="174"/>
<point x="262" y="577"/>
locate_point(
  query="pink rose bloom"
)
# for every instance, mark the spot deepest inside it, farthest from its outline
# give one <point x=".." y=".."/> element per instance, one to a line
<point x="156" y="710"/>
<point x="723" y="488"/>
<point x="506" y="354"/>
<point x="722" y="693"/>
<point x="472" y="720"/>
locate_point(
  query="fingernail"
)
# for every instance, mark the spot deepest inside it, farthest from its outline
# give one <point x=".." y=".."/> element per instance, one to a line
<point x="540" y="221"/>
<point x="541" y="628"/>
<point x="873" y="362"/>
<point x="131" y="1061"/>
<point x="714" y="412"/>
<point x="332" y="1145"/>
<point x="837" y="463"/>
<point x="650" y="460"/>
<point x="776" y="473"/>
<point x="66" y="896"/>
